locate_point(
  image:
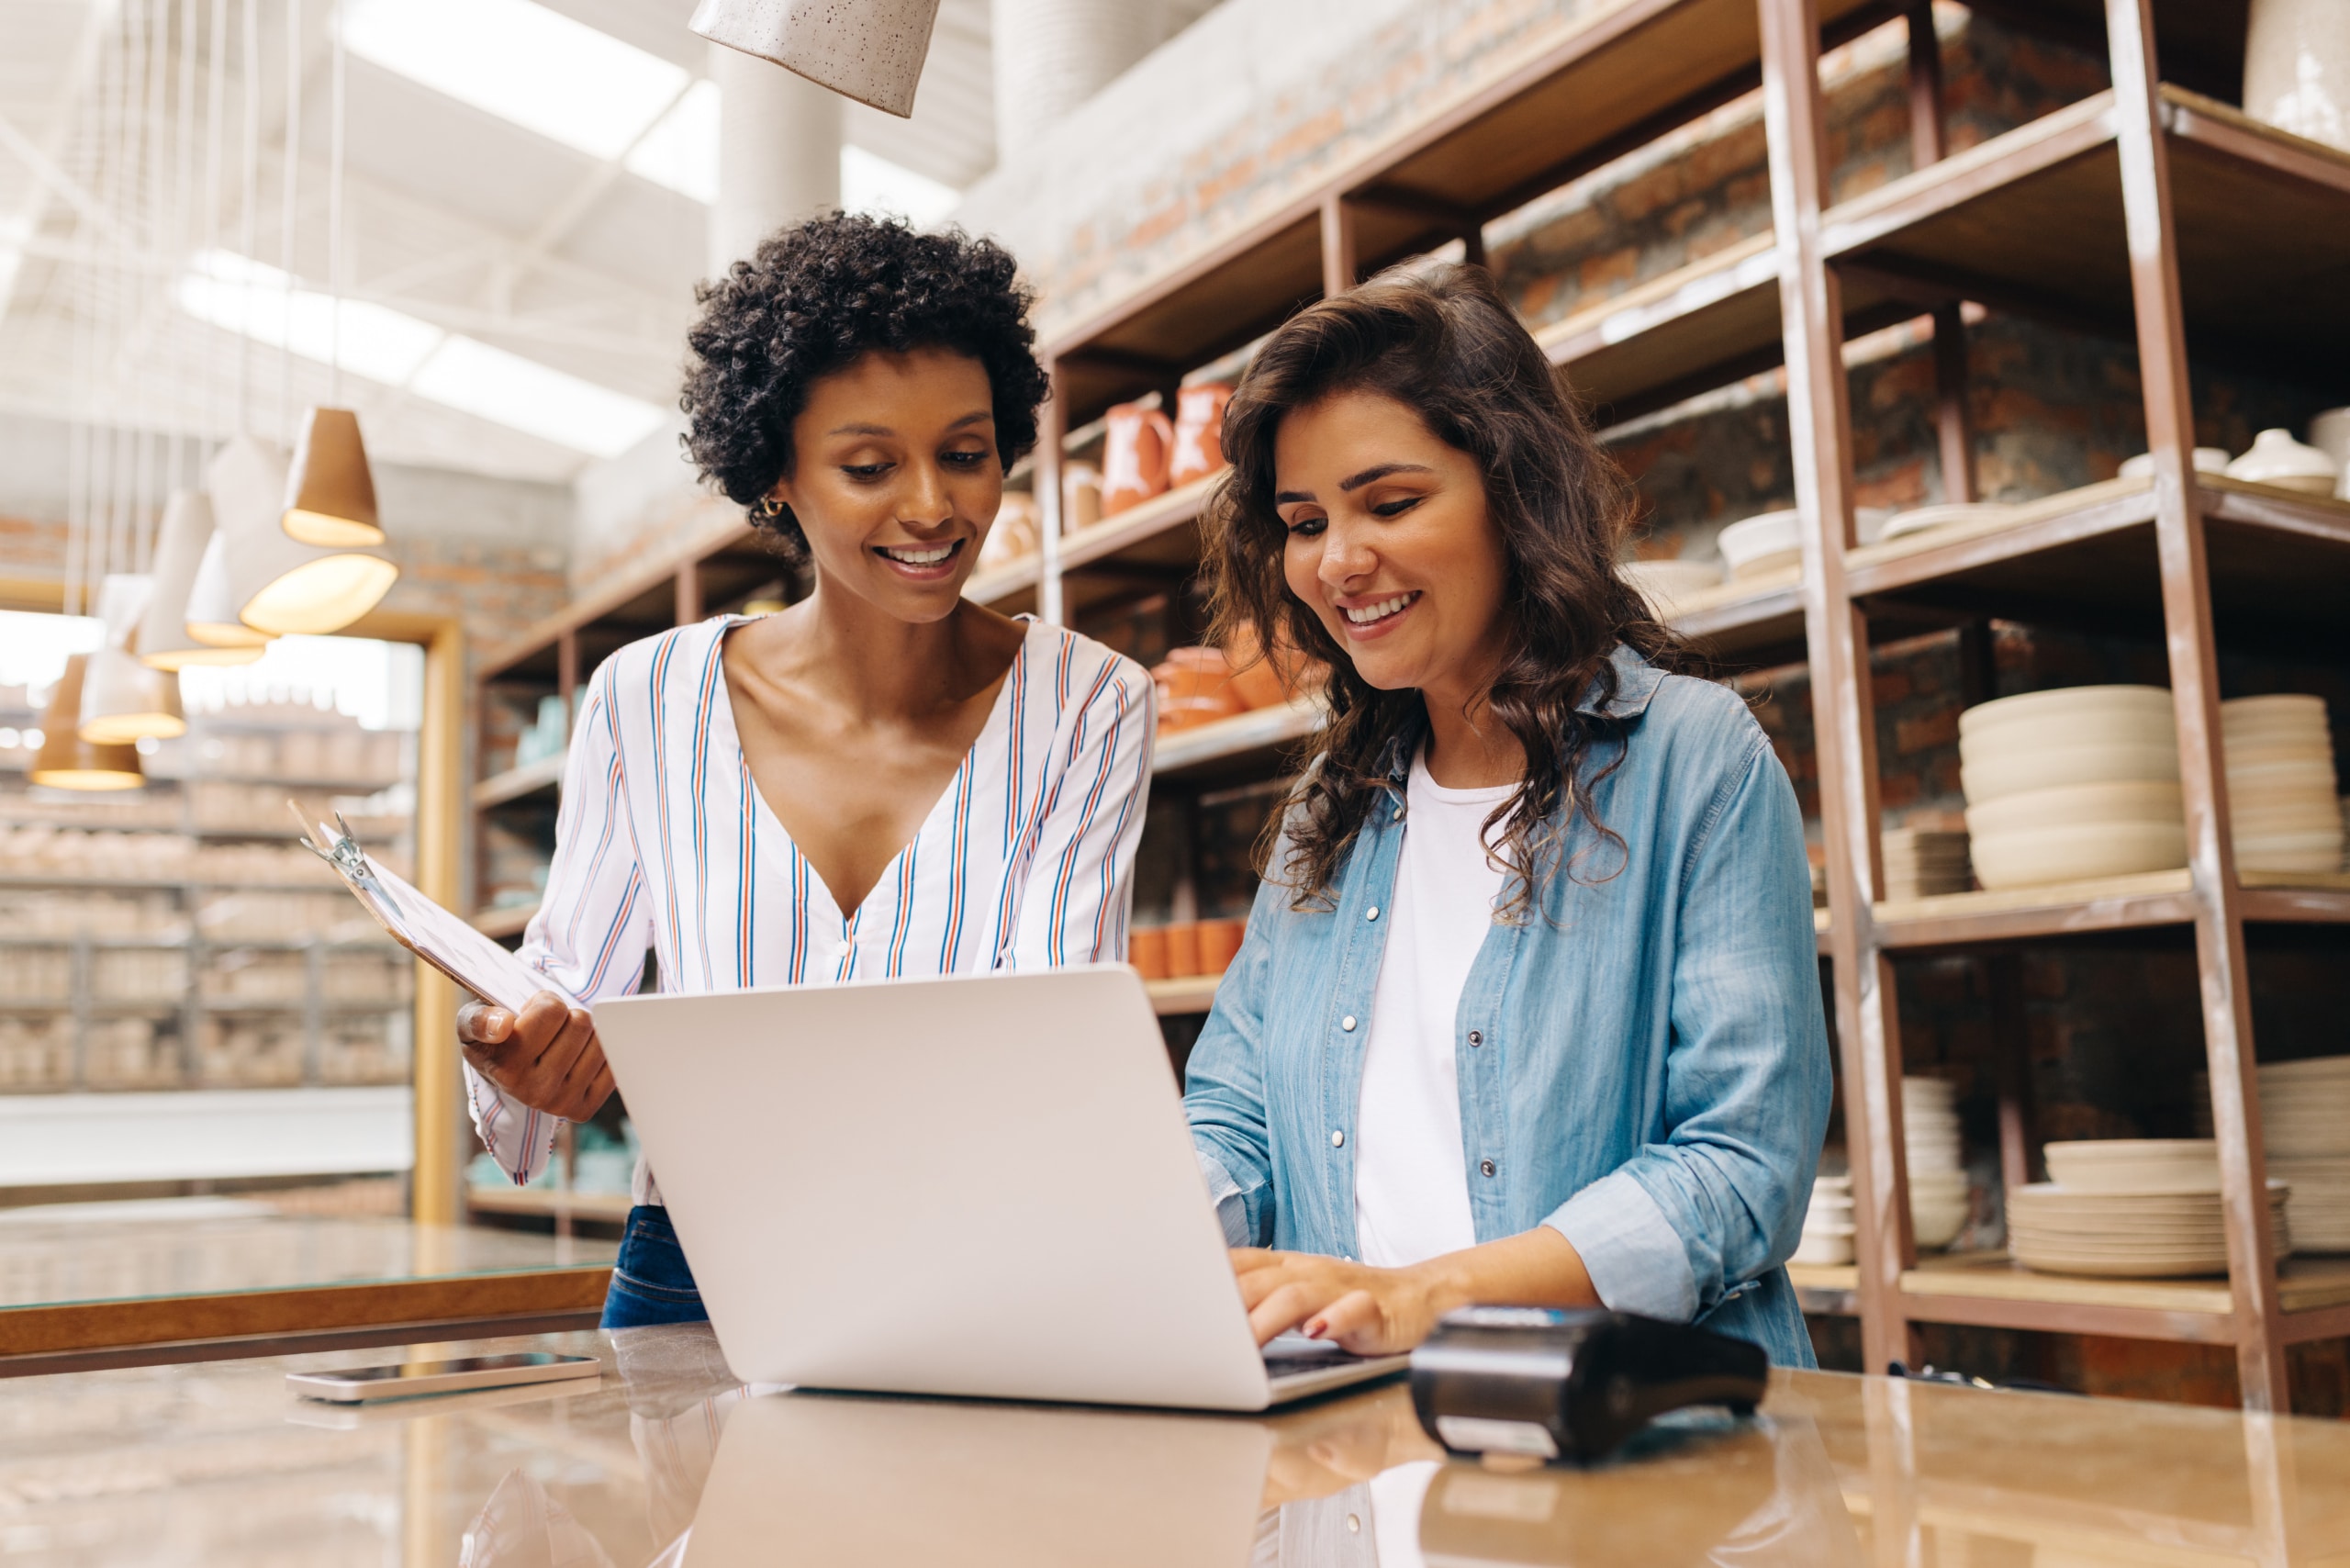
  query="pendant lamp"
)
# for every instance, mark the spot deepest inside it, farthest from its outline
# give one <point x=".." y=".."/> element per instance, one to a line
<point x="331" y="495"/>
<point x="280" y="585"/>
<point x="212" y="609"/>
<point x="165" y="640"/>
<point x="66" y="760"/>
<point x="123" y="700"/>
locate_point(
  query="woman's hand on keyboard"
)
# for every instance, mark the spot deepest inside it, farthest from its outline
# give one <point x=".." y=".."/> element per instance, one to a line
<point x="547" y="1057"/>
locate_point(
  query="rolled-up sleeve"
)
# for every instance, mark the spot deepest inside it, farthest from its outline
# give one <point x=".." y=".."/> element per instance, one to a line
<point x="590" y="933"/>
<point x="1686" y="1222"/>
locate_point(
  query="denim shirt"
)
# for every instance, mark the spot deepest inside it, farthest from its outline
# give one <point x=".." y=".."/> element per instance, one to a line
<point x="1642" y="1058"/>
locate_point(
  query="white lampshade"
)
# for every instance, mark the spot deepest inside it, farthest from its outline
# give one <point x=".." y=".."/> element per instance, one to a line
<point x="164" y="641"/>
<point x="212" y="611"/>
<point x="278" y="584"/>
<point x="124" y="701"/>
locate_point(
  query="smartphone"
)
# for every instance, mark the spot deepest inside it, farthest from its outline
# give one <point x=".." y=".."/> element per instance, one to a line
<point x="356" y="1385"/>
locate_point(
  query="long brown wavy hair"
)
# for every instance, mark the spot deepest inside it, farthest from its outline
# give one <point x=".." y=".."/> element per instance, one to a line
<point x="1449" y="347"/>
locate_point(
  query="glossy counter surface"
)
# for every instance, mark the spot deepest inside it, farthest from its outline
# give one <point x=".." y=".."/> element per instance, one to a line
<point x="667" y="1459"/>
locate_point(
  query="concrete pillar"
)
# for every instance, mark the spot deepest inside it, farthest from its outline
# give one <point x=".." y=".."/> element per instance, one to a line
<point x="778" y="154"/>
<point x="1052" y="55"/>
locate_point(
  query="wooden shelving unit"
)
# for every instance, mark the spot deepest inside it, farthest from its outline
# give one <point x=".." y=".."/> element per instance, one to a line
<point x="2232" y="217"/>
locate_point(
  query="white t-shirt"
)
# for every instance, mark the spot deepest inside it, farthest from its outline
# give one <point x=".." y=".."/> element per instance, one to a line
<point x="1411" y="1176"/>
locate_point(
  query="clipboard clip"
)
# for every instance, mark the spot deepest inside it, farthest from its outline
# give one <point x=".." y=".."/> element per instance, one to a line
<point x="348" y="860"/>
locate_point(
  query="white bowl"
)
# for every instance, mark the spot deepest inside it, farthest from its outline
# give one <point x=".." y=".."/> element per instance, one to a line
<point x="1820" y="1248"/>
<point x="2077" y="805"/>
<point x="1937" y="1225"/>
<point x="2068" y="700"/>
<point x="2207" y="459"/>
<point x="1666" y="584"/>
<point x="2276" y="458"/>
<point x="2077" y="854"/>
<point x="2014" y="770"/>
<point x="1921" y="520"/>
<point x="1763" y="543"/>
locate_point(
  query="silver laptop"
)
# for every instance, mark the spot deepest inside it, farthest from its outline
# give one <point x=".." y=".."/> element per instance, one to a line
<point x="979" y="1185"/>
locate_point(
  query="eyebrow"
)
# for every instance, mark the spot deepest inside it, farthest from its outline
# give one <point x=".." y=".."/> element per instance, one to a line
<point x="1356" y="481"/>
<point x="976" y="417"/>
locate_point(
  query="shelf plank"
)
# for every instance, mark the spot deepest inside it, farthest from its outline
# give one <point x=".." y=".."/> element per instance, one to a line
<point x="550" y="1202"/>
<point x="2296" y="898"/>
<point x="2059" y="909"/>
<point x="1990" y="1291"/>
<point x="506" y="921"/>
<point x="517" y="783"/>
<point x="1226" y="741"/>
<point x="1193" y="993"/>
<point x="1138" y="524"/>
<point x="1746" y="615"/>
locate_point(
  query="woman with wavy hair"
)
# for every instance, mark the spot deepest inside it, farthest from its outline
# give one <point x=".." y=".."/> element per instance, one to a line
<point x="1528" y="1009"/>
<point x="884" y="779"/>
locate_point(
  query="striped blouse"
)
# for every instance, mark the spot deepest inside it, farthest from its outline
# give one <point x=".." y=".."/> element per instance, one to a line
<point x="663" y="847"/>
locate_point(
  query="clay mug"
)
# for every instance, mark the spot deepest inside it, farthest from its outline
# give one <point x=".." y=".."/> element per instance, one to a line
<point x="1134" y="464"/>
<point x="1182" y="948"/>
<point x="1147" y="951"/>
<point x="1081" y="497"/>
<point x="1014" y="535"/>
<point x="1199" y="432"/>
<point x="1220" y="944"/>
<point x="1268" y="680"/>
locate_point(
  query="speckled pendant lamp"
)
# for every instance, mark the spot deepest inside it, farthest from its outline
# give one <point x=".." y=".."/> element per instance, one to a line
<point x="871" y="50"/>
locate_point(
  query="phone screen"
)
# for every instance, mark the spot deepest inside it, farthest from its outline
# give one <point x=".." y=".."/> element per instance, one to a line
<point x="445" y="1369"/>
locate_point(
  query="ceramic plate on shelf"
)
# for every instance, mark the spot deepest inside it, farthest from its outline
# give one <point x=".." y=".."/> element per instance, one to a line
<point x="2078" y="854"/>
<point x="2065" y="700"/>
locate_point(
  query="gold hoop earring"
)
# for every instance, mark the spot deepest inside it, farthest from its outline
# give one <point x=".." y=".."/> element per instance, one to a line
<point x="770" y="508"/>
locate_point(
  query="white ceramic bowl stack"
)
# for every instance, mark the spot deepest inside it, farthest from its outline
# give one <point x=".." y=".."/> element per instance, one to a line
<point x="1921" y="862"/>
<point x="2131" y="1207"/>
<point x="2281" y="793"/>
<point x="2305" y="1124"/>
<point x="1828" y="1223"/>
<point x="2072" y="784"/>
<point x="1667" y="585"/>
<point x="1938" y="1197"/>
<point x="1773" y="540"/>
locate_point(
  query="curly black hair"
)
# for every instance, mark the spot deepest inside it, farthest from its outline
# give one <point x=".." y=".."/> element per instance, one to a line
<point x="812" y="300"/>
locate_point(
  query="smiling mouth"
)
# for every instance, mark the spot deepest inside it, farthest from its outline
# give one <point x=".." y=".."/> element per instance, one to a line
<point x="918" y="557"/>
<point x="1382" y="609"/>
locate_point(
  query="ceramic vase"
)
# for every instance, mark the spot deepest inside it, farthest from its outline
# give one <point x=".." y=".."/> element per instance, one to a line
<point x="1199" y="432"/>
<point x="871" y="50"/>
<point x="1137" y="453"/>
<point x="2297" y="67"/>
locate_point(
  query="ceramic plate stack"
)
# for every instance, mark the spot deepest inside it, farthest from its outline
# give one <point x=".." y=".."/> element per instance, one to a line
<point x="1938" y="1204"/>
<point x="1921" y="862"/>
<point x="2131" y="1207"/>
<point x="2281" y="795"/>
<point x="2305" y="1121"/>
<point x="2067" y="785"/>
<point x="1828" y="1223"/>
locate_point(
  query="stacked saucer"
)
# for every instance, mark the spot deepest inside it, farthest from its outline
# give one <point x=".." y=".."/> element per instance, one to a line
<point x="1828" y="1223"/>
<point x="2071" y="784"/>
<point x="1921" y="862"/>
<point x="1665" y="585"/>
<point x="2305" y="1124"/>
<point x="1938" y="1199"/>
<point x="2143" y="1207"/>
<point x="1923" y="519"/>
<point x="2281" y="795"/>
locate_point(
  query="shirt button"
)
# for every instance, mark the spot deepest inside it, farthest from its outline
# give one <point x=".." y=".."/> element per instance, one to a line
<point x="1354" y="1524"/>
<point x="1371" y="913"/>
<point x="1338" y="1138"/>
<point x="1485" y="1166"/>
<point x="1347" y="1022"/>
<point x="1476" y="1037"/>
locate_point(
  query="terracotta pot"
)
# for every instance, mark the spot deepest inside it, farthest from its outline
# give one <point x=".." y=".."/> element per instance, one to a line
<point x="1015" y="535"/>
<point x="1220" y="944"/>
<point x="1081" y="497"/>
<point x="1195" y="687"/>
<point x="1140" y="445"/>
<point x="1199" y="432"/>
<point x="872" y="51"/>
<point x="1182" y="948"/>
<point x="1269" y="681"/>
<point x="1147" y="951"/>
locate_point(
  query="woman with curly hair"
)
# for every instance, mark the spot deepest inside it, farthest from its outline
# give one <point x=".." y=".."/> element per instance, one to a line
<point x="885" y="779"/>
<point x="1529" y="1009"/>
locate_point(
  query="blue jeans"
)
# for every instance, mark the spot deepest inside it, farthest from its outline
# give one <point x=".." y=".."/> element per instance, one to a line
<point x="651" y="1282"/>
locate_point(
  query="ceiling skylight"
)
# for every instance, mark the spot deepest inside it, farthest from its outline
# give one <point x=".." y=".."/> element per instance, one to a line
<point x="873" y="183"/>
<point x="522" y="62"/>
<point x="398" y="350"/>
<point x="681" y="150"/>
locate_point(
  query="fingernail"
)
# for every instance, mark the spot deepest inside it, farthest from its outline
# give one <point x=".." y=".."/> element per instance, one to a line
<point x="1315" y="1329"/>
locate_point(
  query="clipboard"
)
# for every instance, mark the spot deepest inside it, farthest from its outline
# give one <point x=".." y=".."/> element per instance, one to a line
<point x="423" y="927"/>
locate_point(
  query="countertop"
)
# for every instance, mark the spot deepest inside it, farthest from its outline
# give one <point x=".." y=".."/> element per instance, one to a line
<point x="668" y="1460"/>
